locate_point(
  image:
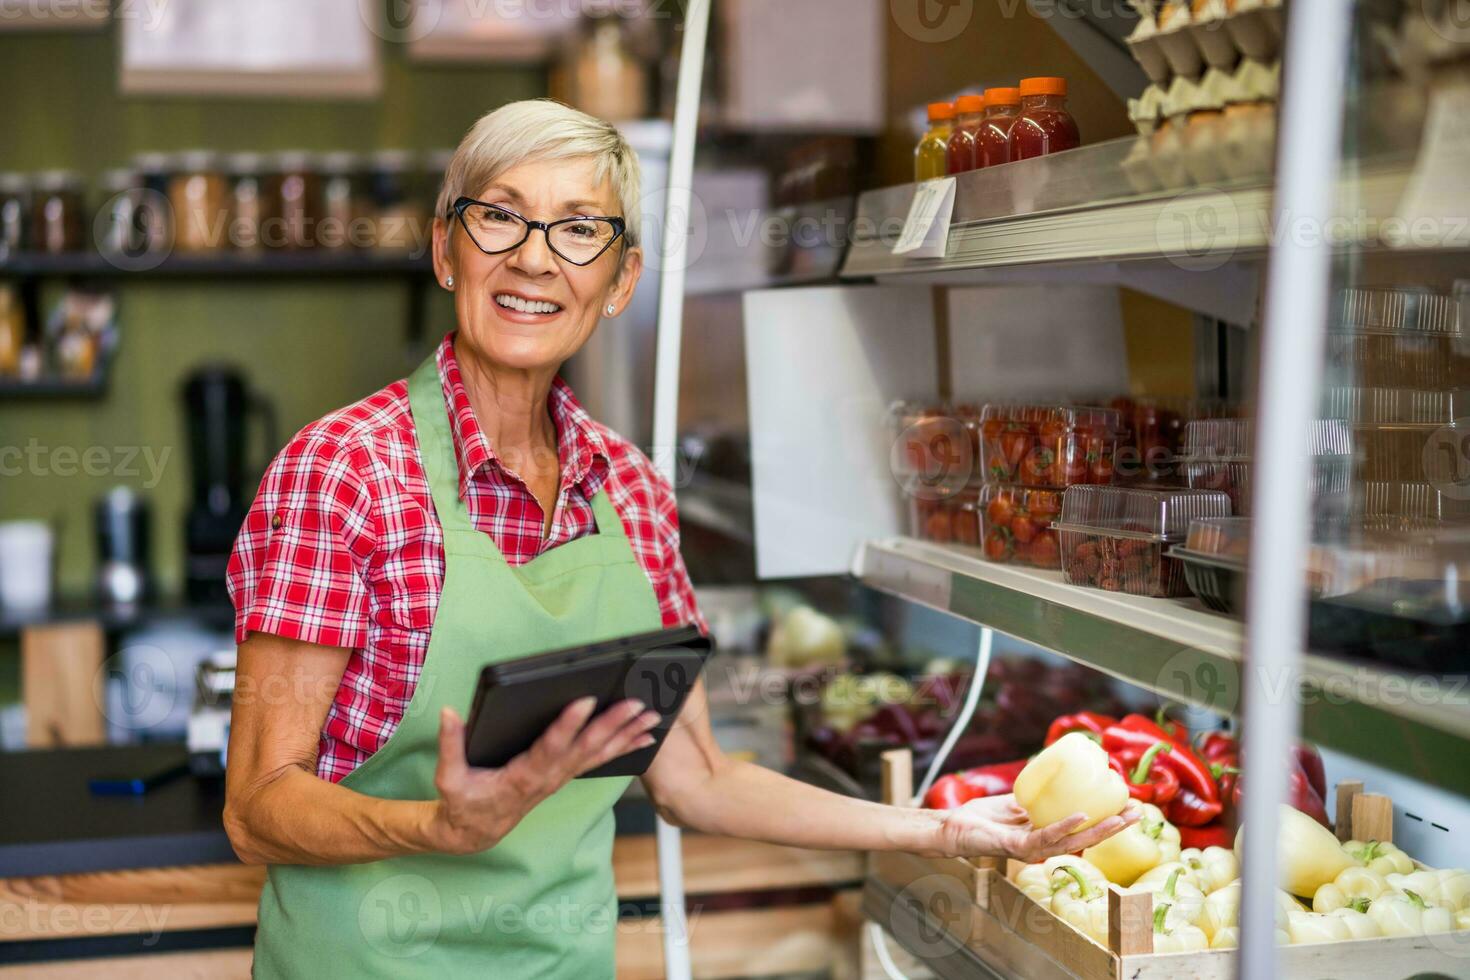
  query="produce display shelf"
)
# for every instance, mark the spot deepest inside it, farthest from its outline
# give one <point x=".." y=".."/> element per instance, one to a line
<point x="222" y="265"/>
<point x="1177" y="649"/>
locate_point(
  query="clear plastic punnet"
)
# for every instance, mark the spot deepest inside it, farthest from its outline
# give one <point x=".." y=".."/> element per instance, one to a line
<point x="1048" y="445"/>
<point x="1397" y="406"/>
<point x="1217" y="456"/>
<point x="1016" y="524"/>
<point x="948" y="519"/>
<point x="1405" y="310"/>
<point x="1114" y="538"/>
<point x="1431" y="362"/>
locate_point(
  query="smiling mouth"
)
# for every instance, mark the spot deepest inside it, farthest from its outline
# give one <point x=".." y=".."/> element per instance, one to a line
<point x="509" y="302"/>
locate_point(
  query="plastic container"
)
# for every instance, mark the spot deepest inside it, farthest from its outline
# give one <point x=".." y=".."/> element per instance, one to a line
<point x="1044" y="125"/>
<point x="1048" y="445"/>
<point x="946" y="519"/>
<point x="969" y="110"/>
<point x="992" y="143"/>
<point x="937" y="442"/>
<point x="1114" y="538"/>
<point x="1217" y="456"/>
<point x="1015" y="525"/>
<point x="1396" y="406"/>
<point x="1411" y="453"/>
<point x="1381" y="360"/>
<point x="931" y="156"/>
<point x="1412" y="499"/>
<point x="1398" y="310"/>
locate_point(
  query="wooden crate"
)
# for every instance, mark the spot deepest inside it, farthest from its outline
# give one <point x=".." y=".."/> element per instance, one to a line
<point x="1006" y="912"/>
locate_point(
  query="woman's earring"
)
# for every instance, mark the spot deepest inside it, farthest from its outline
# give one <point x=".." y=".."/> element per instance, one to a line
<point x="448" y="282"/>
<point x="611" y="310"/>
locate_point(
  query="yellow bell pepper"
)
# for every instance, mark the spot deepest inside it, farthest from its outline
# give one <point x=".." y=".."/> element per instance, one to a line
<point x="1308" y="855"/>
<point x="1083" y="905"/>
<point x="1408" y="914"/>
<point x="1425" y="884"/>
<point x="1179" y="937"/>
<point x="1071" y="775"/>
<point x="1380" y="856"/>
<point x="1213" y="867"/>
<point x="1316" y="927"/>
<point x="1454" y="888"/>
<point x="1221" y="910"/>
<point x="1135" y="849"/>
<point x="1359" y="923"/>
<point x="1040" y="882"/>
<point x="1354" y="888"/>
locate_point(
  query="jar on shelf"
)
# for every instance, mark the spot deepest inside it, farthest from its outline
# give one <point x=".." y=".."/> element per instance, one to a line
<point x="250" y="200"/>
<point x="119" y="221"/>
<point x="346" y="204"/>
<point x="1044" y="124"/>
<point x="197" y="193"/>
<point x="12" y="331"/>
<point x="401" y="223"/>
<point x="57" y="215"/>
<point x="157" y="220"/>
<point x="297" y="201"/>
<point x="15" y="206"/>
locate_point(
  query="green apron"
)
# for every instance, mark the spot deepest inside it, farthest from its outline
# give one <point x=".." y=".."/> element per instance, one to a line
<point x="540" y="903"/>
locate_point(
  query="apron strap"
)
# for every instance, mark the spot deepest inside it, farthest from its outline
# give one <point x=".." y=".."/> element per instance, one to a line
<point x="436" y="445"/>
<point x="609" y="524"/>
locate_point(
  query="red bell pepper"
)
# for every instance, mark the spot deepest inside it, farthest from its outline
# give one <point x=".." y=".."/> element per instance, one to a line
<point x="1227" y="773"/>
<point x="1300" y="793"/>
<point x="1215" y="746"/>
<point x="1147" y="779"/>
<point x="1137" y="733"/>
<point x="1311" y="764"/>
<point x="1189" y="809"/>
<point x="959" y="788"/>
<point x="1082" y="721"/>
<point x="1210" y="835"/>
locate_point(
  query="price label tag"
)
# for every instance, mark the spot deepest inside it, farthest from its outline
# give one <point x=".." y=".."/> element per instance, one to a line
<point x="1437" y="199"/>
<point x="926" y="229"/>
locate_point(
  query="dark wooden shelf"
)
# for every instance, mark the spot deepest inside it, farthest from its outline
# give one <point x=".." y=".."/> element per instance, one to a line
<point x="44" y="388"/>
<point x="224" y="265"/>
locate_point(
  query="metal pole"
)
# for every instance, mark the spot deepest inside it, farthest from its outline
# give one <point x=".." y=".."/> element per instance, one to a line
<point x="666" y="405"/>
<point x="1299" y="271"/>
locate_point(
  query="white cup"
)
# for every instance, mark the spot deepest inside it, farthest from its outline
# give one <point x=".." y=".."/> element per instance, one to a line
<point x="25" y="565"/>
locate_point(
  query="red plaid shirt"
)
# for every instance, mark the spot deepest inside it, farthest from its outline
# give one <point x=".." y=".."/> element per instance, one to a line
<point x="342" y="547"/>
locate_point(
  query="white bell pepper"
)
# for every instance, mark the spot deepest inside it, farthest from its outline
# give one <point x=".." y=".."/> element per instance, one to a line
<point x="1354" y="888"/>
<point x="1082" y="904"/>
<point x="1425" y="884"/>
<point x="1039" y="881"/>
<point x="1221" y="910"/>
<point x="1185" y="901"/>
<point x="1147" y="844"/>
<point x="1316" y="927"/>
<point x="1360" y="924"/>
<point x="1454" y="888"/>
<point x="1213" y="867"/>
<point x="1176" y="937"/>
<point x="1308" y="855"/>
<point x="1380" y="856"/>
<point x="1408" y="914"/>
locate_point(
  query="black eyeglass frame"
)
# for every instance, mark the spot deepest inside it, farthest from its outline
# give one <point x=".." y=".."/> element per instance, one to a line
<point x="620" y="227"/>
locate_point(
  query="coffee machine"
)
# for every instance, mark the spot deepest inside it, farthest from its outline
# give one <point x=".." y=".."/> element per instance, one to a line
<point x="218" y="405"/>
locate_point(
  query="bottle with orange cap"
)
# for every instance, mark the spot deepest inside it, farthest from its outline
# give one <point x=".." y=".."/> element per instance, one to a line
<point x="931" y="156"/>
<point x="968" y="110"/>
<point x="992" y="142"/>
<point x="1044" y="125"/>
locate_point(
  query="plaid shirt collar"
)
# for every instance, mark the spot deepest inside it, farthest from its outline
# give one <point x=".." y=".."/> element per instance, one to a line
<point x="581" y="451"/>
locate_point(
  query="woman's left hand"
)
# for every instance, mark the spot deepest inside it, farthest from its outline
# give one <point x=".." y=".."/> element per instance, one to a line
<point x="998" y="826"/>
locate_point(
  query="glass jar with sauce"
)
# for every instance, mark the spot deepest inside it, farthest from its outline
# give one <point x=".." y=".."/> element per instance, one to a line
<point x="992" y="142"/>
<point x="250" y="199"/>
<point x="968" y="111"/>
<point x="1044" y="124"/>
<point x="198" y="195"/>
<point x="346" y="206"/>
<point x="15" y="206"/>
<point x="156" y="217"/>
<point x="297" y="201"/>
<point x="119" y="223"/>
<point x="401" y="222"/>
<point x="931" y="156"/>
<point x="57" y="217"/>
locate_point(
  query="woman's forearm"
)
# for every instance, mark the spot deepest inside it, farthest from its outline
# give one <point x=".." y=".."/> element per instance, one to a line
<point x="741" y="799"/>
<point x="295" y="817"/>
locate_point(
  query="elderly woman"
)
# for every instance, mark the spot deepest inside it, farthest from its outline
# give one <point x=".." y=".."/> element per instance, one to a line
<point x="475" y="513"/>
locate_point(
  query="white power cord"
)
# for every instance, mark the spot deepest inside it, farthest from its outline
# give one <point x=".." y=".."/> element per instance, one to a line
<point x="972" y="701"/>
<point x="961" y="722"/>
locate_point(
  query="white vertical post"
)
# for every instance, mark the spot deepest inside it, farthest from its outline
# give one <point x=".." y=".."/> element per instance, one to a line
<point x="666" y="405"/>
<point x="1299" y="271"/>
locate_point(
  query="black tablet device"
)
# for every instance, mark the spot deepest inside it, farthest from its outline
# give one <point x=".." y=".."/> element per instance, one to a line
<point x="517" y="700"/>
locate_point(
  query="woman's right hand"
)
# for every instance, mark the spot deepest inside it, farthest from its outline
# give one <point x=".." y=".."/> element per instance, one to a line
<point x="477" y="807"/>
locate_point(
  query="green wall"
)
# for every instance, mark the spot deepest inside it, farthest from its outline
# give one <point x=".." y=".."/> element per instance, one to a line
<point x="307" y="346"/>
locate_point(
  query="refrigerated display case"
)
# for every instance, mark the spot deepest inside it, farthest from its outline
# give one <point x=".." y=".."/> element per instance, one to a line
<point x="1333" y="611"/>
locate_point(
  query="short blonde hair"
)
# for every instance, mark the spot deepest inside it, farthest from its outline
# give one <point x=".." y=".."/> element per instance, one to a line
<point x="544" y="129"/>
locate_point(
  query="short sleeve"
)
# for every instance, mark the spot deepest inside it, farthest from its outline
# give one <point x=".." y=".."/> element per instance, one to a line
<point x="675" y="592"/>
<point x="298" y="568"/>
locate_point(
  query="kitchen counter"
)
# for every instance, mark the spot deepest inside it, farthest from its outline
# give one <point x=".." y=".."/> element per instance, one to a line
<point x="53" y="825"/>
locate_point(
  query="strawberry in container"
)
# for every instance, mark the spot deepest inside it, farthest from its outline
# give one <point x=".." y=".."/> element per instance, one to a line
<point x="1116" y="538"/>
<point x="1048" y="445"/>
<point x="1015" y="524"/>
